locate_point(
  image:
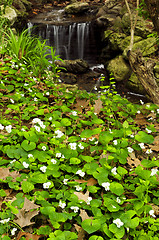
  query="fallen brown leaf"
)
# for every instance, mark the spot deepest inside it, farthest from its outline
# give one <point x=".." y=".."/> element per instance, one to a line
<point x="28" y="236"/>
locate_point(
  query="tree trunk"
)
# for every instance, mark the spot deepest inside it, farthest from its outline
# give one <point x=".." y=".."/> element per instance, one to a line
<point x="144" y="71"/>
<point x="153" y="9"/>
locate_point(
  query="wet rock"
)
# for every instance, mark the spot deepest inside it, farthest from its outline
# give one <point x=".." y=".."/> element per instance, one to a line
<point x="74" y="66"/>
<point x="68" y="78"/>
<point x="76" y="8"/>
<point x="119" y="68"/>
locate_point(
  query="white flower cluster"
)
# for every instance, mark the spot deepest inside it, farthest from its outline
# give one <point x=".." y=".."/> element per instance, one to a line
<point x="80" y="173"/>
<point x="153" y="171"/>
<point x="4" y="221"/>
<point x="8" y="128"/>
<point x="41" y="124"/>
<point x="58" y="133"/>
<point x="118" y="222"/>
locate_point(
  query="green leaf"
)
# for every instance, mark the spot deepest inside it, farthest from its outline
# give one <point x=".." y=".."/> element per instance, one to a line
<point x="38" y="177"/>
<point x="91" y="226"/>
<point x="28" y="146"/>
<point x="66" y="122"/>
<point x="94" y="237"/>
<point x="87" y="158"/>
<point x="75" y="161"/>
<point x="144" y="137"/>
<point x="111" y="205"/>
<point x="105" y="137"/>
<point x="116" y="188"/>
<point x="87" y="133"/>
<point x="119" y="232"/>
<point x="27" y="186"/>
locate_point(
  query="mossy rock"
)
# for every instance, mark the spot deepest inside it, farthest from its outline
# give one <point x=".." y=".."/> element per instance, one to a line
<point x="76" y="8"/>
<point x="126" y="42"/>
<point x="119" y="68"/>
<point x="134" y="84"/>
<point x="114" y="39"/>
<point x="10" y="14"/>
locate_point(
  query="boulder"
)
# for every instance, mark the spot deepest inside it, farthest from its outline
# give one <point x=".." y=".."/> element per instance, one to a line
<point x="9" y="14"/>
<point x="73" y="66"/>
<point x="119" y="68"/>
<point x="76" y="8"/>
<point x="134" y="84"/>
<point x="156" y="72"/>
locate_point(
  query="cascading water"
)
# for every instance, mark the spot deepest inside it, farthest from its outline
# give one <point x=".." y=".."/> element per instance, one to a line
<point x="77" y="40"/>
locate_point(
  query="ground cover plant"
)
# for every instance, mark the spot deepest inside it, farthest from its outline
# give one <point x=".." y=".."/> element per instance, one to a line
<point x="74" y="165"/>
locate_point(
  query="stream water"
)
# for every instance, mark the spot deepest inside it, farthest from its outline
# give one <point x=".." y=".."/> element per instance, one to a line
<point x="72" y="40"/>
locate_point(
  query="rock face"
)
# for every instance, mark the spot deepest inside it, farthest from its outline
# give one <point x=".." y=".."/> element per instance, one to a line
<point x="115" y="20"/>
<point x="10" y="14"/>
<point x="76" y="8"/>
<point x="74" y="66"/>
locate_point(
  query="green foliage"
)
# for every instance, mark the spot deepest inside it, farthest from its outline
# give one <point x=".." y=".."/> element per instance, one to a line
<point x="73" y="166"/>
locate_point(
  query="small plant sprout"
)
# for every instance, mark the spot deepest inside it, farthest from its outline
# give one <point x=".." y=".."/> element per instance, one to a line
<point x="106" y="186"/>
<point x="118" y="222"/>
<point x="80" y="173"/>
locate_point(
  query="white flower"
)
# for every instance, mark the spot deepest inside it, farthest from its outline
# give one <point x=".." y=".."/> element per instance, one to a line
<point x="50" y="118"/>
<point x="47" y="93"/>
<point x="114" y="171"/>
<point x="89" y="199"/>
<point x="5" y="220"/>
<point x="23" y="130"/>
<point x="25" y="165"/>
<point x="62" y="205"/>
<point x="30" y="90"/>
<point x="35" y="99"/>
<point x="1" y="127"/>
<point x="138" y="112"/>
<point x="141" y="102"/>
<point x="36" y="120"/>
<point x="12" y="101"/>
<point x="83" y="139"/>
<point x="118" y="222"/>
<point x="115" y="142"/>
<point x="106" y="185"/>
<point x="46" y="185"/>
<point x="53" y="161"/>
<point x="149" y="151"/>
<point x="42" y="125"/>
<point x="65" y="181"/>
<point x="14" y="160"/>
<point x="58" y="155"/>
<point x="148" y="130"/>
<point x="73" y="146"/>
<point x="59" y="133"/>
<point x="62" y="156"/>
<point x="91" y="139"/>
<point x="151" y="212"/>
<point x="43" y="169"/>
<point x="158" y="110"/>
<point x="43" y="148"/>
<point x="75" y="209"/>
<point x="95" y="88"/>
<point x="110" y="130"/>
<point x="78" y="188"/>
<point x="9" y="128"/>
<point x="37" y="128"/>
<point x="74" y="113"/>
<point x="30" y="155"/>
<point x="118" y="200"/>
<point x="130" y="150"/>
<point x="80" y="173"/>
<point x="13" y="231"/>
<point x="96" y="142"/>
<point x="142" y="145"/>
<point x="153" y="171"/>
<point x="80" y="146"/>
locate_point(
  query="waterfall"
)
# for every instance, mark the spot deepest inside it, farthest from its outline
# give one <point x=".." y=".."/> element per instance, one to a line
<point x="71" y="41"/>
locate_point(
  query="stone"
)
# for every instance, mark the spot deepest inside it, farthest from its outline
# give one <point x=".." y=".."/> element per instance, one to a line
<point x="10" y="14"/>
<point x="76" y="8"/>
<point x="74" y="66"/>
<point x="156" y="72"/>
<point x="134" y="84"/>
<point x="147" y="47"/>
<point x="119" y="68"/>
<point x="114" y="39"/>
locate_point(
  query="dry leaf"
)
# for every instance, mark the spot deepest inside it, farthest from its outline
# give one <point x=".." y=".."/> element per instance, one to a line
<point x="28" y="236"/>
<point x="25" y="215"/>
<point x="81" y="232"/>
<point x="4" y="172"/>
<point x="133" y="161"/>
<point x="83" y="214"/>
<point x="98" y="105"/>
<point x="155" y="146"/>
<point x="82" y="196"/>
<point x="90" y="182"/>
